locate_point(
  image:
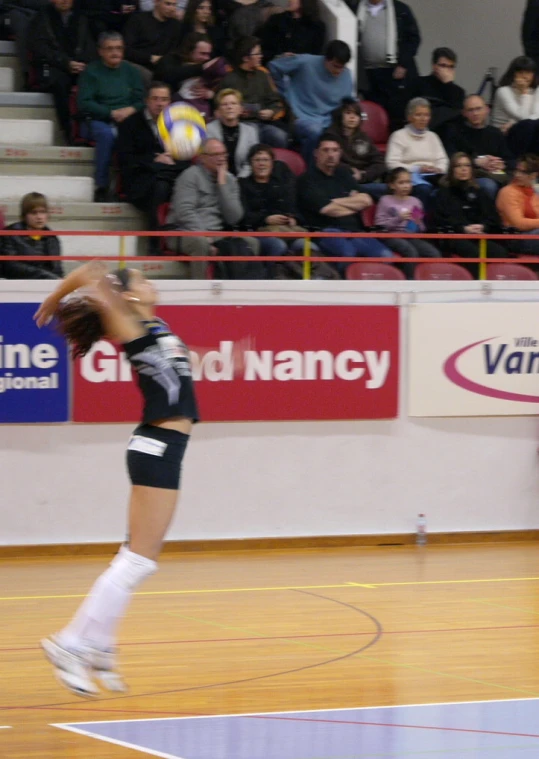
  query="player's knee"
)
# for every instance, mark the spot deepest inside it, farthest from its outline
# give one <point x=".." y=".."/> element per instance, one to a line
<point x="130" y="569"/>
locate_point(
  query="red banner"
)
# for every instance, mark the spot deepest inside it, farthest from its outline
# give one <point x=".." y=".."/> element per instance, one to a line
<point x="304" y="363"/>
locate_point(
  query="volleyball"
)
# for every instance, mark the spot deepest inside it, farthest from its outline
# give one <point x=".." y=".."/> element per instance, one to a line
<point x="182" y="130"/>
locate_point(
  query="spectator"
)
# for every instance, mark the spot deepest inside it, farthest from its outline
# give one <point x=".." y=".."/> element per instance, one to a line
<point x="199" y="17"/>
<point x="359" y="152"/>
<point x="107" y="15"/>
<point x="206" y="196"/>
<point x="148" y="173"/>
<point x="516" y="106"/>
<point x="148" y="5"/>
<point x="34" y="217"/>
<point x="269" y="201"/>
<point x="61" y="45"/>
<point x="261" y="102"/>
<point x="389" y="39"/>
<point x="238" y="138"/>
<point x="461" y="206"/>
<point x="445" y="97"/>
<point x="530" y="30"/>
<point x="19" y="16"/>
<point x="110" y="90"/>
<point x="418" y="149"/>
<point x="484" y="143"/>
<point x="151" y="36"/>
<point x="315" y="87"/>
<point x="518" y="204"/>
<point x="400" y="212"/>
<point x="331" y="200"/>
<point x="248" y="18"/>
<point x="298" y="30"/>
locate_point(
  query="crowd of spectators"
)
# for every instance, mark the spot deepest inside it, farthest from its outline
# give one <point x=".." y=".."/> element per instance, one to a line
<point x="265" y="76"/>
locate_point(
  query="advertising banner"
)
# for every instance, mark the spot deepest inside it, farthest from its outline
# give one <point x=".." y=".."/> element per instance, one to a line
<point x="34" y="372"/>
<point x="302" y="363"/>
<point x="474" y="359"/>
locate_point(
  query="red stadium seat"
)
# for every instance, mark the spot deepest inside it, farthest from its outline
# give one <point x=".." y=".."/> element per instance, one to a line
<point x="441" y="271"/>
<point x="367" y="216"/>
<point x="375" y="123"/>
<point x="373" y="270"/>
<point x="510" y="271"/>
<point x="293" y="160"/>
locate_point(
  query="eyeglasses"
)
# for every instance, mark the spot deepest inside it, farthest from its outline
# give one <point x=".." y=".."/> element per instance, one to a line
<point x="213" y="155"/>
<point x="446" y="65"/>
<point x="255" y="55"/>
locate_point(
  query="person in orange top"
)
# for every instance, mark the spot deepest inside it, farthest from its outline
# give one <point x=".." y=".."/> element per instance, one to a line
<point x="518" y="204"/>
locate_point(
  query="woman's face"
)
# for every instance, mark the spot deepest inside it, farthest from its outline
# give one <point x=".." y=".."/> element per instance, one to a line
<point x="203" y="12"/>
<point x="420" y="118"/>
<point x="462" y="170"/>
<point x="523" y="79"/>
<point x="351" y="119"/>
<point x="523" y="177"/>
<point x="141" y="289"/>
<point x="262" y="165"/>
<point x="38" y="218"/>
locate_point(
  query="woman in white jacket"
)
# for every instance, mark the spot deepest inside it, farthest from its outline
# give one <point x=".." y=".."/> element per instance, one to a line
<point x="516" y="106"/>
<point x="418" y="150"/>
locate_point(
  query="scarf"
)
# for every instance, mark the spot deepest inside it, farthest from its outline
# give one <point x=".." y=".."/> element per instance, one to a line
<point x="529" y="209"/>
<point x="391" y="41"/>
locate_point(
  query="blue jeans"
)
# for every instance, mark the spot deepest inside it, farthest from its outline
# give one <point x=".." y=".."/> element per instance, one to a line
<point x="350" y="247"/>
<point x="374" y="189"/>
<point x="307" y="133"/>
<point x="525" y="247"/>
<point x="489" y="186"/>
<point x="104" y="135"/>
<point x="272" y="135"/>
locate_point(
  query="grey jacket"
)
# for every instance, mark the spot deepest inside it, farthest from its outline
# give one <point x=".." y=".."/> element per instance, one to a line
<point x="199" y="203"/>
<point x="248" y="137"/>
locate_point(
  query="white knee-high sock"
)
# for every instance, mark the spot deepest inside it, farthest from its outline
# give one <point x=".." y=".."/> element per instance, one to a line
<point x="96" y="620"/>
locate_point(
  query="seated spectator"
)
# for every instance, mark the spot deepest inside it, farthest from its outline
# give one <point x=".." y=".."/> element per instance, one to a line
<point x="148" y="173"/>
<point x="34" y="217"/>
<point x="445" y="97"/>
<point x="19" y="16"/>
<point x="148" y="5"/>
<point x="269" y="201"/>
<point x="199" y="17"/>
<point x="107" y="15"/>
<point x="206" y="196"/>
<point x="461" y="206"/>
<point x="262" y="104"/>
<point x="388" y="41"/>
<point x="358" y="150"/>
<point x="193" y="75"/>
<point x="418" y="149"/>
<point x="237" y="137"/>
<point x="331" y="200"/>
<point x="248" y="18"/>
<point x="298" y="30"/>
<point x="314" y="86"/>
<point x="484" y="143"/>
<point x="530" y="30"/>
<point x="516" y="106"/>
<point x="518" y="204"/>
<point x="400" y="212"/>
<point x="110" y="90"/>
<point x="150" y="37"/>
<point x="61" y="45"/>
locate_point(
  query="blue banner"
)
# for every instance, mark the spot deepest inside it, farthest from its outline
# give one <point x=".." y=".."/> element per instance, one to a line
<point x="34" y="372"/>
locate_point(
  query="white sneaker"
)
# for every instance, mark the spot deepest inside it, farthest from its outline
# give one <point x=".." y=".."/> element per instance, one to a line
<point x="103" y="664"/>
<point x="70" y="668"/>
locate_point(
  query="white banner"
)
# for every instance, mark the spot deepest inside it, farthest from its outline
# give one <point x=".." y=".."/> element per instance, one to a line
<point x="474" y="359"/>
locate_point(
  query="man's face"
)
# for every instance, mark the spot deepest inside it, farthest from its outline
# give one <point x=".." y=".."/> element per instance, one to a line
<point x="475" y="111"/>
<point x="444" y="69"/>
<point x="214" y="156"/>
<point x="158" y="99"/>
<point x="63" y="5"/>
<point x="229" y="108"/>
<point x="328" y="155"/>
<point x="334" y="67"/>
<point x="112" y="52"/>
<point x="254" y="59"/>
<point x="165" y="8"/>
<point x="201" y="53"/>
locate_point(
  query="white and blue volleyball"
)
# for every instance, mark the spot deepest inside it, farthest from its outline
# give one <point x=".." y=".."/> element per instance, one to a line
<point x="182" y="130"/>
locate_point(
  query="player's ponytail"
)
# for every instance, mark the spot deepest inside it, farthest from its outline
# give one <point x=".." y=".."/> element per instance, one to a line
<point x="79" y="321"/>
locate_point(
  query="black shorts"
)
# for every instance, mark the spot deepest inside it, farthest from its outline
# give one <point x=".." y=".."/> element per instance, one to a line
<point x="154" y="457"/>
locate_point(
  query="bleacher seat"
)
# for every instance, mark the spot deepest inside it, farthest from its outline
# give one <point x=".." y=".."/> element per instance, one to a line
<point x="293" y="160"/>
<point x="441" y="270"/>
<point x="375" y="123"/>
<point x="510" y="271"/>
<point x="367" y="216"/>
<point x="373" y="270"/>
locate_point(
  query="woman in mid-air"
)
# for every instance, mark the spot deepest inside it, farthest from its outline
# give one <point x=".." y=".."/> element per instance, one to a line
<point x="121" y="306"/>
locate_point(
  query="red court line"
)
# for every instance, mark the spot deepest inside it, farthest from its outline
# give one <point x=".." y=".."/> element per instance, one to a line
<point x="297" y="637"/>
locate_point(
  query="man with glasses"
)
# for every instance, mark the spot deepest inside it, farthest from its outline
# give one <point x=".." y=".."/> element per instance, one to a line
<point x="445" y="97"/>
<point x="206" y="197"/>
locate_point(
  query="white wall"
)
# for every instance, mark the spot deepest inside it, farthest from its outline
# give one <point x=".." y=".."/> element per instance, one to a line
<point x="66" y="483"/>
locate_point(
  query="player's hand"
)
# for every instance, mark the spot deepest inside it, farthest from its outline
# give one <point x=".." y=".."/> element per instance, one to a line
<point x="46" y="311"/>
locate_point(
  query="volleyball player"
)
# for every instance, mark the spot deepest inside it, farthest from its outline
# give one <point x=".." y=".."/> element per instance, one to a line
<point x="121" y="306"/>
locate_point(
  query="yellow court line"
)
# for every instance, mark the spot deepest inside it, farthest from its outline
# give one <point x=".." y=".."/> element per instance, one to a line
<point x="284" y="587"/>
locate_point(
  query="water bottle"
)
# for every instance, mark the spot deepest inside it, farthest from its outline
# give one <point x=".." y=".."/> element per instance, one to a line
<point x="421" y="530"/>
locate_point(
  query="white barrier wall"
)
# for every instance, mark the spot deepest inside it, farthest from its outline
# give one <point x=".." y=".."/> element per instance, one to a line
<point x="67" y="484"/>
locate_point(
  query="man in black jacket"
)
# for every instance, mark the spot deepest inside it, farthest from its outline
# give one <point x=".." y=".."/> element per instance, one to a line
<point x="151" y="35"/>
<point x="19" y="14"/>
<point x="445" y="97"/>
<point x="60" y="43"/>
<point x="530" y="30"/>
<point x="147" y="172"/>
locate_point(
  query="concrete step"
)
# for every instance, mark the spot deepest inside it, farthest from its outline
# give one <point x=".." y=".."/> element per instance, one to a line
<point x="27" y="132"/>
<point x="47" y="160"/>
<point x="56" y="188"/>
<point x="86" y="215"/>
<point x="8" y="47"/>
<point x="7" y="79"/>
<point x="26" y="99"/>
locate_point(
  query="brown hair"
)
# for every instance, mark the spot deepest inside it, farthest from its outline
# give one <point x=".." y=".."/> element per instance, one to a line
<point x="31" y="201"/>
<point x="531" y="162"/>
<point x="449" y="179"/>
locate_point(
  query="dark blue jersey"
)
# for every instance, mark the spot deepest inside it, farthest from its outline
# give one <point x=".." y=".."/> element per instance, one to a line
<point x="161" y="362"/>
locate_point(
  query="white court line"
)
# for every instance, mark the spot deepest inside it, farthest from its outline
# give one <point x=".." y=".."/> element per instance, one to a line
<point x="124" y="744"/>
<point x="66" y="725"/>
<point x="6" y="727"/>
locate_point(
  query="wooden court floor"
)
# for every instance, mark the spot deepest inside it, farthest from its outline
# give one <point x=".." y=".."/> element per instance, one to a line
<point x="276" y="630"/>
